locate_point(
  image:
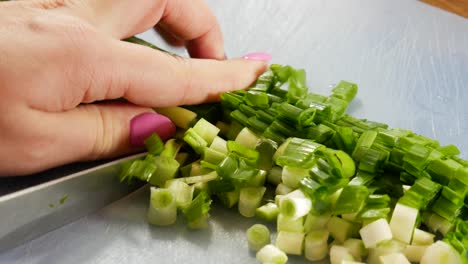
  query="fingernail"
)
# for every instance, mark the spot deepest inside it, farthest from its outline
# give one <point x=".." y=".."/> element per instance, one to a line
<point x="259" y="56"/>
<point x="143" y="125"/>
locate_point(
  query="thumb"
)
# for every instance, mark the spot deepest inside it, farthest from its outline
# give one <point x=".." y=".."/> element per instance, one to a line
<point x="106" y="130"/>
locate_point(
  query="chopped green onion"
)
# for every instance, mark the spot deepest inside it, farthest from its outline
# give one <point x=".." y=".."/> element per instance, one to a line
<point x="182" y="191"/>
<point x="295" y="204"/>
<point x="196" y="212"/>
<point x="352" y="199"/>
<point x="315" y="245"/>
<point x="258" y="236"/>
<point x="270" y="254"/>
<point x="283" y="189"/>
<point x="290" y="242"/>
<point x="250" y="199"/>
<point x="339" y="254"/>
<point x="167" y="169"/>
<point x="247" y="138"/>
<point x="421" y="237"/>
<point x="154" y="144"/>
<point x="315" y="222"/>
<point x="162" y="210"/>
<point x="375" y="232"/>
<point x="292" y="176"/>
<point x="229" y="199"/>
<point x="268" y="212"/>
<point x="284" y="223"/>
<point x="403" y="222"/>
<point x="197" y="142"/>
<point x="340" y="229"/>
<point x="206" y="130"/>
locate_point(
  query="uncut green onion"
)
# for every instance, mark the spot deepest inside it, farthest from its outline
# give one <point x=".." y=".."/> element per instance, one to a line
<point x="163" y="207"/>
<point x="265" y="116"/>
<point x="258" y="236"/>
<point x="256" y="124"/>
<point x="231" y="100"/>
<point x="283" y="128"/>
<point x="256" y="99"/>
<point x="240" y="117"/>
<point x="181" y="117"/>
<point x="274" y="135"/>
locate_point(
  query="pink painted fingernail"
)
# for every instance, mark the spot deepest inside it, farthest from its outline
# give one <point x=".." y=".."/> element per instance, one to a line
<point x="143" y="125"/>
<point x="259" y="56"/>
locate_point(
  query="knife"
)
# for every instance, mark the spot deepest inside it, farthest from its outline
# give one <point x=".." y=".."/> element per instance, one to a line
<point x="34" y="211"/>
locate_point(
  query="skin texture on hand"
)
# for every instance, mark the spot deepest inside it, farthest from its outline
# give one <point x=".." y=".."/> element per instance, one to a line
<point x="60" y="60"/>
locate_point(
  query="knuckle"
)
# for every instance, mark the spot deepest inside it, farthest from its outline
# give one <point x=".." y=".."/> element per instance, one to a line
<point x="105" y="134"/>
<point x="187" y="84"/>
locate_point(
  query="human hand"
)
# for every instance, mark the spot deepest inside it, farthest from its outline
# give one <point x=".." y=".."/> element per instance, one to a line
<point x="60" y="59"/>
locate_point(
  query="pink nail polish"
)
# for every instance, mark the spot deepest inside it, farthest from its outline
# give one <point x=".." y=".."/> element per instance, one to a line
<point x="143" y="125"/>
<point x="260" y="56"/>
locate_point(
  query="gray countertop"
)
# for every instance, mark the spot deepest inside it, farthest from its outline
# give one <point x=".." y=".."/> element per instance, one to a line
<point x="410" y="61"/>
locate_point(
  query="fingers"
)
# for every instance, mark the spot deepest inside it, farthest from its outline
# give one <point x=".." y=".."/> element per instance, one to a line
<point x="191" y="21"/>
<point x="169" y="38"/>
<point x="90" y="132"/>
<point x="155" y="79"/>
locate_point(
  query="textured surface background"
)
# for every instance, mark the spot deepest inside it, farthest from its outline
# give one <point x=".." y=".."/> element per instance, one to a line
<point x="409" y="59"/>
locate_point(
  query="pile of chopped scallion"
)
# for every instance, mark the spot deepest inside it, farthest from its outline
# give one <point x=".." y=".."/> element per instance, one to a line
<point x="347" y="189"/>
